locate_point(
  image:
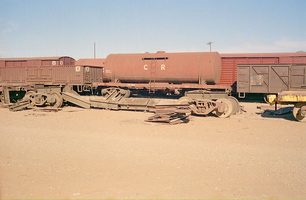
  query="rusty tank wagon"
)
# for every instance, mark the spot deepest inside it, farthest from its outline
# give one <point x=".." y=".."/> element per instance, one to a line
<point x="191" y="76"/>
<point x="163" y="72"/>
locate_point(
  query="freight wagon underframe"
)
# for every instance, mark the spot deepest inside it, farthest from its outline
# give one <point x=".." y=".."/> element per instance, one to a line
<point x="164" y="88"/>
<point x="40" y="95"/>
<point x="199" y="102"/>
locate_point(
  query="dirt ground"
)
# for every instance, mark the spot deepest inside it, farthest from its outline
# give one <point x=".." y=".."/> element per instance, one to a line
<point x="100" y="154"/>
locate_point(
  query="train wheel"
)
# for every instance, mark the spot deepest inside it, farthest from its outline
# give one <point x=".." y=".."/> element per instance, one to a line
<point x="109" y="91"/>
<point x="235" y="103"/>
<point x="1" y="99"/>
<point x="125" y="93"/>
<point x="297" y="111"/>
<point x="227" y="110"/>
<point x="57" y="101"/>
<point x="30" y="95"/>
<point x="115" y="93"/>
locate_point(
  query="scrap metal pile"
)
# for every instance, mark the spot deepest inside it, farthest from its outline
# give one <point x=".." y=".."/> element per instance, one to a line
<point x="172" y="114"/>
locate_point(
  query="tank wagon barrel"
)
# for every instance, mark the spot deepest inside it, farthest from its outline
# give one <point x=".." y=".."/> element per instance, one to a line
<point x="196" y="67"/>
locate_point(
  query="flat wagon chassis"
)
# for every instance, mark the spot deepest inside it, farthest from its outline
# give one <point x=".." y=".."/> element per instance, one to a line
<point x="297" y="98"/>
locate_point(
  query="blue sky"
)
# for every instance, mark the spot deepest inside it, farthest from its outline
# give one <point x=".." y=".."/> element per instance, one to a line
<point x="32" y="28"/>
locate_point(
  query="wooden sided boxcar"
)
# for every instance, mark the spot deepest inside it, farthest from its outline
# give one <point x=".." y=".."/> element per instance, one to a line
<point x="43" y="79"/>
<point x="230" y="63"/>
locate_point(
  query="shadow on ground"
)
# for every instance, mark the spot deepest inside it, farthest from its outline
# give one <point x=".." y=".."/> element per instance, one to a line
<point x="282" y="113"/>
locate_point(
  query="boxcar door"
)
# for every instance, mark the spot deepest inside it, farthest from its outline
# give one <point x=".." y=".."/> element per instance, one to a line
<point x="45" y="74"/>
<point x="298" y="77"/>
<point x="243" y="79"/>
<point x="39" y="74"/>
<point x="87" y="75"/>
<point x="32" y="74"/>
<point x="259" y="79"/>
<point x="278" y="78"/>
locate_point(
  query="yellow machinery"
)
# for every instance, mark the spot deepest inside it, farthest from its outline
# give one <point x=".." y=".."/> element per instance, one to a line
<point x="298" y="98"/>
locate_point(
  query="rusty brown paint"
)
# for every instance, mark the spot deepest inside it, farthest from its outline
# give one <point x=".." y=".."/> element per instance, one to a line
<point x="163" y="86"/>
<point x="50" y="75"/>
<point x="38" y="61"/>
<point x="90" y="62"/>
<point x="197" y="67"/>
<point x="230" y="62"/>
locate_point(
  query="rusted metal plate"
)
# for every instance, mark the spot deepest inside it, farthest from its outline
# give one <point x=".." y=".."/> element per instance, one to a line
<point x="292" y="96"/>
<point x="76" y="75"/>
<point x="20" y="105"/>
<point x="76" y="99"/>
<point x="165" y="86"/>
<point x="93" y="74"/>
<point x="30" y="70"/>
<point x="12" y="75"/>
<point x="134" y="104"/>
<point x="38" y="61"/>
<point x="66" y="61"/>
<point x="51" y="75"/>
<point x="172" y="114"/>
<point x="72" y="75"/>
<point x="261" y="55"/>
<point x="144" y="104"/>
<point x="54" y="75"/>
<point x="90" y="62"/>
<point x="298" y="77"/>
<point x="293" y="59"/>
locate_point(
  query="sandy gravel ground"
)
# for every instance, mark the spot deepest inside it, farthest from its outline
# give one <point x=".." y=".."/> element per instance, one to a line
<point x="100" y="154"/>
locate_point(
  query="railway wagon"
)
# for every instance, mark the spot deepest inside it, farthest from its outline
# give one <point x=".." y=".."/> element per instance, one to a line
<point x="230" y="63"/>
<point x="30" y="70"/>
<point x="270" y="79"/>
<point x="191" y="76"/>
<point x="161" y="72"/>
<point x="43" y="79"/>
